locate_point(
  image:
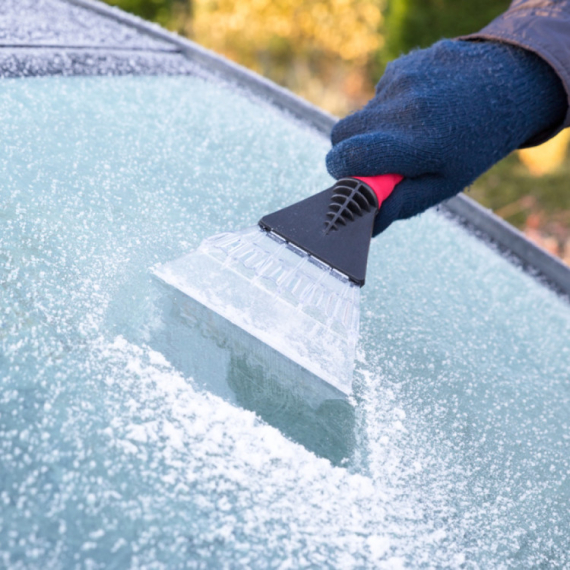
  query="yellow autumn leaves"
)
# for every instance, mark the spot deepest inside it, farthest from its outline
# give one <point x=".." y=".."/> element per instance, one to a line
<point x="347" y="29"/>
<point x="321" y="49"/>
<point x="547" y="157"/>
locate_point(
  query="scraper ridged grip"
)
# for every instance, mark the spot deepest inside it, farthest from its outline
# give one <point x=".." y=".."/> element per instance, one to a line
<point x="350" y="199"/>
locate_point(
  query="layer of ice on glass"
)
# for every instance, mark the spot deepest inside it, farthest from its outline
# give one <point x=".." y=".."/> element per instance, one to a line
<point x="124" y="437"/>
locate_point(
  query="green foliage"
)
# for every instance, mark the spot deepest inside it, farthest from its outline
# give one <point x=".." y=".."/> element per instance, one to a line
<point x="419" y="23"/>
<point x="159" y="11"/>
<point x="507" y="184"/>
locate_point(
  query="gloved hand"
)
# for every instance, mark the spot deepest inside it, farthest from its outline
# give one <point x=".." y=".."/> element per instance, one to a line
<point x="444" y="115"/>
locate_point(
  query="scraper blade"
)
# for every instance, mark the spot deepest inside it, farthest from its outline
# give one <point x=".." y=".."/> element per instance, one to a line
<point x="277" y="293"/>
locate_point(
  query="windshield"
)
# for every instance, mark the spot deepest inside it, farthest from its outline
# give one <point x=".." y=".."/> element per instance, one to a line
<point x="131" y="436"/>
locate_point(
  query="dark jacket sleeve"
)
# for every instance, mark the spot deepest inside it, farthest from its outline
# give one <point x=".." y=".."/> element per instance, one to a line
<point x="543" y="27"/>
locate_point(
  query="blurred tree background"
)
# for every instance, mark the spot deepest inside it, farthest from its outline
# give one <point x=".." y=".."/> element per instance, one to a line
<point x="332" y="52"/>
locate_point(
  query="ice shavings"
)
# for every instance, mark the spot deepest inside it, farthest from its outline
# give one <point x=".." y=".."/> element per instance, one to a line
<point x="249" y="490"/>
<point x="208" y="485"/>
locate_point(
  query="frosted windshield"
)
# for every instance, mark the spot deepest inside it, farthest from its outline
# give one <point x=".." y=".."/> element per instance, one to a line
<point x="131" y="436"/>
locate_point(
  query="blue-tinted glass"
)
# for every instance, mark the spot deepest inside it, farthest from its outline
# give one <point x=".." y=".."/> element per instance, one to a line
<point x="123" y="434"/>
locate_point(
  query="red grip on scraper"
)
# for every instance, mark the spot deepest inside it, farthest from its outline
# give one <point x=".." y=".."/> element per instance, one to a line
<point x="382" y="185"/>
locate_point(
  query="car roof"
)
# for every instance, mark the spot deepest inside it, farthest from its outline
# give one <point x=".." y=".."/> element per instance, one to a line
<point x="87" y="37"/>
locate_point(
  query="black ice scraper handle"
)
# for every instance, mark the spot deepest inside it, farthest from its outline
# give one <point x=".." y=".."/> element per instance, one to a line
<point x="335" y="226"/>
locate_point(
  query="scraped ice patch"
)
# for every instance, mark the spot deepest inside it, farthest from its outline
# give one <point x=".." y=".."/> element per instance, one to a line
<point x="251" y="492"/>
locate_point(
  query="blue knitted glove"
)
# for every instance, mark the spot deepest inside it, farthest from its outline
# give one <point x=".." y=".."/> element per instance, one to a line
<point x="444" y="115"/>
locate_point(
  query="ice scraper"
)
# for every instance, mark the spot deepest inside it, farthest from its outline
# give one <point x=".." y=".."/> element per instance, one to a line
<point x="293" y="282"/>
